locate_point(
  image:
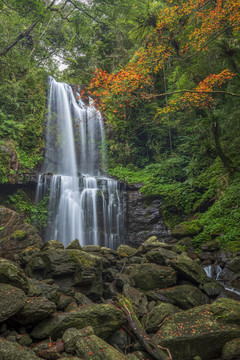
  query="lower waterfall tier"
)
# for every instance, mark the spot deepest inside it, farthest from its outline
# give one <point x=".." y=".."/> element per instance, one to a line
<point x="86" y="208"/>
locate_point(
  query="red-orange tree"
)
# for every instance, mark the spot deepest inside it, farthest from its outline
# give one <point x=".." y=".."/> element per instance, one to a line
<point x="183" y="30"/>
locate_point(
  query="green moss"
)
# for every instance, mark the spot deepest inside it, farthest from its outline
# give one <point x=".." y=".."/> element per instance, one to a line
<point x="19" y="234"/>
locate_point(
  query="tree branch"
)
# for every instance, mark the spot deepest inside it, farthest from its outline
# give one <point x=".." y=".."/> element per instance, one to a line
<point x="210" y="40"/>
<point x="192" y="91"/>
<point x="84" y="12"/>
<point x="19" y="37"/>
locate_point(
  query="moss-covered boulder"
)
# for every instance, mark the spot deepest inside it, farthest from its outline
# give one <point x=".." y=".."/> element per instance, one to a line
<point x="138" y="299"/>
<point x="44" y="288"/>
<point x="155" y="317"/>
<point x="69" y="269"/>
<point x="201" y="331"/>
<point x="234" y="264"/>
<point x="104" y="319"/>
<point x="74" y="245"/>
<point x="13" y="275"/>
<point x="12" y="299"/>
<point x="160" y="255"/>
<point x="151" y="276"/>
<point x="12" y="351"/>
<point x="125" y="250"/>
<point x="212" y="288"/>
<point x="91" y="248"/>
<point x="231" y="350"/>
<point x="188" y="269"/>
<point x="187" y="228"/>
<point x="15" y="234"/>
<point x="151" y="243"/>
<point x="51" y="245"/>
<point x="35" y="310"/>
<point x="88" y="346"/>
<point x="183" y="296"/>
<point x="227" y="310"/>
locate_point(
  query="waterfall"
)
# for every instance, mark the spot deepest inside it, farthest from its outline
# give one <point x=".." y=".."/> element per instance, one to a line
<point x="84" y="203"/>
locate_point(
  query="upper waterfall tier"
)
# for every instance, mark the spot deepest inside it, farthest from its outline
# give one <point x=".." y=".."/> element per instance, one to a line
<point x="74" y="136"/>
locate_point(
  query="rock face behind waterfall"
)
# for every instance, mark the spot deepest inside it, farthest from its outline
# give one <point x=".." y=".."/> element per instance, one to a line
<point x="58" y="303"/>
<point x="15" y="234"/>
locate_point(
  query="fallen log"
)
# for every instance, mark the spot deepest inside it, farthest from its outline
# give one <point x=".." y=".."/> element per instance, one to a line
<point x="134" y="325"/>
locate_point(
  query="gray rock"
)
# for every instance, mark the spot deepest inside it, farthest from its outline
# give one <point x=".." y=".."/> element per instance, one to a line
<point x="160" y="255"/>
<point x="231" y="350"/>
<point x="12" y="299"/>
<point x="35" y="310"/>
<point x="155" y="317"/>
<point x="234" y="264"/>
<point x="188" y="269"/>
<point x="70" y="269"/>
<point x="13" y="275"/>
<point x="103" y="318"/>
<point x="151" y="276"/>
<point x="10" y="351"/>
<point x="183" y="296"/>
<point x="138" y="299"/>
<point x="201" y="331"/>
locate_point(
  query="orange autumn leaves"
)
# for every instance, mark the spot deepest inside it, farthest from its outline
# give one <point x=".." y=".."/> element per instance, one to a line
<point x="182" y="30"/>
<point x="201" y="96"/>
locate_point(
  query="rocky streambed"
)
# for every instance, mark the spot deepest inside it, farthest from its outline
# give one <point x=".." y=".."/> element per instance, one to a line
<point x="58" y="303"/>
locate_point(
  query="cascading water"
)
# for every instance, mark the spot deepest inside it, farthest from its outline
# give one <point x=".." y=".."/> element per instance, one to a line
<point x="83" y="203"/>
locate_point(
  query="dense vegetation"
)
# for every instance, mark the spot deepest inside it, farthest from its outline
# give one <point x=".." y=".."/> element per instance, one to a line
<point x="166" y="75"/>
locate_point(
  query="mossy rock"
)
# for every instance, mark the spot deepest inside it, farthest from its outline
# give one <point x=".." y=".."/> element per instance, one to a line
<point x="12" y="300"/>
<point x="35" y="310"/>
<point x="183" y="296"/>
<point x="231" y="350"/>
<point x="12" y="275"/>
<point x="188" y="269"/>
<point x="44" y="289"/>
<point x="125" y="251"/>
<point x="187" y="228"/>
<point x="12" y="351"/>
<point x="104" y="319"/>
<point x="155" y="317"/>
<point x="149" y="244"/>
<point x="74" y="245"/>
<point x="69" y="268"/>
<point x="91" y="248"/>
<point x="212" y="288"/>
<point x="138" y="299"/>
<point x="151" y="276"/>
<point x="51" y="245"/>
<point x="88" y="346"/>
<point x="199" y="331"/>
<point x="227" y="310"/>
<point x="234" y="264"/>
<point x="160" y="255"/>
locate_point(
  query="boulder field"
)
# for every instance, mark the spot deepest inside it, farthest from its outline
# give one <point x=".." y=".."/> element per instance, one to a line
<point x="93" y="303"/>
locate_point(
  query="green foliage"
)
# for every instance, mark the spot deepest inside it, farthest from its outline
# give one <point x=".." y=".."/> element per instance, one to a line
<point x="36" y="214"/>
<point x="222" y="220"/>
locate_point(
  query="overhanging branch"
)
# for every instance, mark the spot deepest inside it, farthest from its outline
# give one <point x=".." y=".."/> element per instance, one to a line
<point x="192" y="91"/>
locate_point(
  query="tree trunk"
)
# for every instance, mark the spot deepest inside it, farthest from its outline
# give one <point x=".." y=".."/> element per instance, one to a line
<point x="227" y="163"/>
